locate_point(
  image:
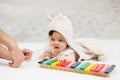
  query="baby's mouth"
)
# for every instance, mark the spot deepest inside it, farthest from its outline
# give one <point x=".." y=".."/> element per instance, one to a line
<point x="56" y="47"/>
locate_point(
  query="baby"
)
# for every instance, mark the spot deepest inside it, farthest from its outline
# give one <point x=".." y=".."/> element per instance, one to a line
<point x="63" y="46"/>
<point x="59" y="48"/>
<point x="60" y="35"/>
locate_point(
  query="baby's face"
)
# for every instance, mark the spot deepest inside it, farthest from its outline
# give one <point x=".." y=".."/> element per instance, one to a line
<point x="57" y="42"/>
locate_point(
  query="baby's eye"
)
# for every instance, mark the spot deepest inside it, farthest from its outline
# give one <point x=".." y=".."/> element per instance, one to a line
<point x="52" y="39"/>
<point x="61" y="40"/>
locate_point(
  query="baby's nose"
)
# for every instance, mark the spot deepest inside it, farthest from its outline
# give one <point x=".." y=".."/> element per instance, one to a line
<point x="56" y="42"/>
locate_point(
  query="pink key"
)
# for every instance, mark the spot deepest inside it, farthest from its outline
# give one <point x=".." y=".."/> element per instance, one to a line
<point x="70" y="64"/>
<point x="104" y="68"/>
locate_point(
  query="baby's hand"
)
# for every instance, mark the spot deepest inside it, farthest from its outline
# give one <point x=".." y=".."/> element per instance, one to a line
<point x="68" y="57"/>
<point x="67" y="54"/>
<point x="45" y="55"/>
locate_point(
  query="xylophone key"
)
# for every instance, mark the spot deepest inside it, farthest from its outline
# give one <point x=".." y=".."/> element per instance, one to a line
<point x="47" y="61"/>
<point x="63" y="63"/>
<point x="84" y="66"/>
<point x="55" y="63"/>
<point x="80" y="65"/>
<point x="94" y="67"/>
<point x="50" y="62"/>
<point x="76" y="64"/>
<point x="106" y="67"/>
<point x="99" y="67"/>
<point x="69" y="65"/>
<point x="110" y="69"/>
<point x="89" y="67"/>
<point x="40" y="62"/>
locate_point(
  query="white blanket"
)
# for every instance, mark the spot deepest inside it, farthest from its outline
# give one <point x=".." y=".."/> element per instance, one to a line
<point x="30" y="70"/>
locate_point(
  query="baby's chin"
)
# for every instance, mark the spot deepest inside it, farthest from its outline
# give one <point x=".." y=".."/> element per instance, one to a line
<point x="57" y="50"/>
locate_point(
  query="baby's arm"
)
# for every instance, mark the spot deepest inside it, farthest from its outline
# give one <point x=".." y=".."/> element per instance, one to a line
<point x="46" y="55"/>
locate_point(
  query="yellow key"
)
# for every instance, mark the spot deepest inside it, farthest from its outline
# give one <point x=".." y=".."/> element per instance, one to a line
<point x="54" y="64"/>
<point x="89" y="67"/>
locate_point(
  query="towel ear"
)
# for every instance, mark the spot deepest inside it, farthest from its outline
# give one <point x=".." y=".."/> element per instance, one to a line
<point x="61" y="16"/>
<point x="49" y="18"/>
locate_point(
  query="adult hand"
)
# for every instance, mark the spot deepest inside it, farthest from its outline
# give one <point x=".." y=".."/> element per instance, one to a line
<point x="27" y="53"/>
<point x="17" y="57"/>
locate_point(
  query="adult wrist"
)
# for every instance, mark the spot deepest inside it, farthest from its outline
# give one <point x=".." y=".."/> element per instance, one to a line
<point x="12" y="45"/>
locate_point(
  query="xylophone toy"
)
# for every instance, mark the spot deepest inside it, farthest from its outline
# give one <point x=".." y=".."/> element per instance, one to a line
<point x="78" y="67"/>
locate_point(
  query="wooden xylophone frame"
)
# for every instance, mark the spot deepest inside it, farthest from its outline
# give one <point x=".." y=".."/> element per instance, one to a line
<point x="73" y="70"/>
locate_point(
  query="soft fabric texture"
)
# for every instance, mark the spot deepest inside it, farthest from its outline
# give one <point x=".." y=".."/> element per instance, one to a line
<point x="87" y="48"/>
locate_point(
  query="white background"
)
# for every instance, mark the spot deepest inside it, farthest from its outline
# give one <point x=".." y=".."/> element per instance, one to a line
<point x="26" y="20"/>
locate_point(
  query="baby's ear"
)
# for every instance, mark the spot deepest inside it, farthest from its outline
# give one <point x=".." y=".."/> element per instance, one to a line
<point x="49" y="18"/>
